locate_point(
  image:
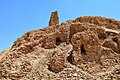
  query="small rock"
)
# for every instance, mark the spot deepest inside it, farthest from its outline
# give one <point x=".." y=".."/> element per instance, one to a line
<point x="75" y="74"/>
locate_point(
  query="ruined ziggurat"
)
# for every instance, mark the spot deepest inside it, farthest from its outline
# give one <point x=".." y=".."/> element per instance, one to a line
<point x="88" y="44"/>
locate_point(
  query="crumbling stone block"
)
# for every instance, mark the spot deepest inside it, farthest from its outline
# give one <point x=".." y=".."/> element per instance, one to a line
<point x="76" y="57"/>
<point x="109" y="43"/>
<point x="49" y="41"/>
<point x="58" y="61"/>
<point x="86" y="44"/>
<point x="54" y="19"/>
<point x="119" y="45"/>
<point x="74" y="28"/>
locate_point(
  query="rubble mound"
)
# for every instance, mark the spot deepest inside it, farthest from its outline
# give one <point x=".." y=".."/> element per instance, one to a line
<point x="87" y="48"/>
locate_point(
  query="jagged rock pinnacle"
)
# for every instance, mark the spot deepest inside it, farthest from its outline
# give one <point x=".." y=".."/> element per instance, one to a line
<point x="54" y="19"/>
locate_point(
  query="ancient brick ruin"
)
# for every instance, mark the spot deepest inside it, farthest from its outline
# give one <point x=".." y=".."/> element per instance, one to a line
<point x="87" y="35"/>
<point x="90" y="37"/>
<point x="54" y="19"/>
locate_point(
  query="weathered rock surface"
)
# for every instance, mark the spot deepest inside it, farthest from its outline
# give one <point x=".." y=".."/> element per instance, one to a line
<point x="87" y="48"/>
<point x="110" y="44"/>
<point x="58" y="61"/>
<point x="87" y="44"/>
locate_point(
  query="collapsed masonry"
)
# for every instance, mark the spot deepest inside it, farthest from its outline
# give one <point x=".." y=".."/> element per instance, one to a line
<point x="88" y="35"/>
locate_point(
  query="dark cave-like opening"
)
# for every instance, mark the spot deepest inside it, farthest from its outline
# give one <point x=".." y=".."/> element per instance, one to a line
<point x="83" y="50"/>
<point x="58" y="41"/>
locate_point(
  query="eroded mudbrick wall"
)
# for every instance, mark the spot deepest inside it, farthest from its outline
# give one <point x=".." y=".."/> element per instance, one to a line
<point x="88" y="36"/>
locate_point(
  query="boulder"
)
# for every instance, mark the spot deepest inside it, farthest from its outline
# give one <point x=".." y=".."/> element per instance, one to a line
<point x="76" y="58"/>
<point x="58" y="61"/>
<point x="109" y="43"/>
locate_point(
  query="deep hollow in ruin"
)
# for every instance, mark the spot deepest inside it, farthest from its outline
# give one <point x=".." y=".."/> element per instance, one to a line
<point x="58" y="41"/>
<point x="83" y="52"/>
